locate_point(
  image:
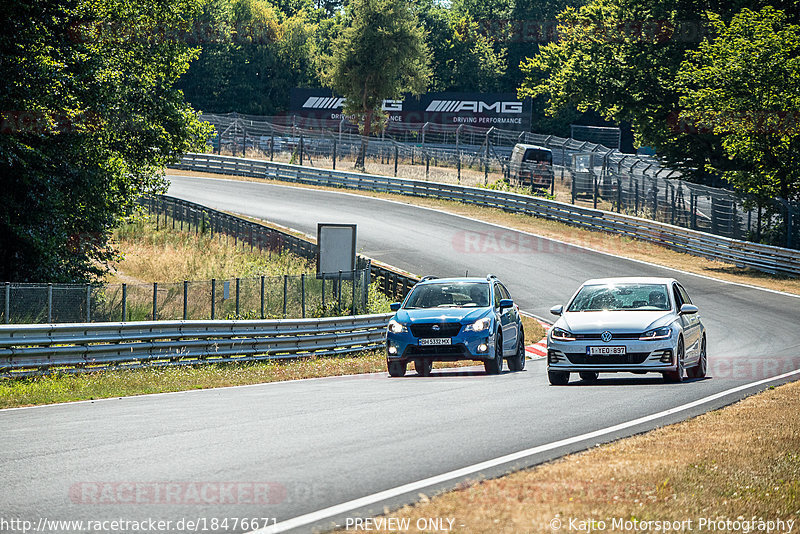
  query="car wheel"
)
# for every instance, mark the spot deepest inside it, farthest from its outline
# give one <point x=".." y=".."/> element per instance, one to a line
<point x="558" y="378"/>
<point x="700" y="370"/>
<point x="423" y="367"/>
<point x="517" y="362"/>
<point x="677" y="375"/>
<point x="397" y="368"/>
<point x="589" y="376"/>
<point x="495" y="365"/>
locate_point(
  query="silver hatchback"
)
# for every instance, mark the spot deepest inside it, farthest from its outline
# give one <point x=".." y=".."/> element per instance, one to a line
<point x="636" y="325"/>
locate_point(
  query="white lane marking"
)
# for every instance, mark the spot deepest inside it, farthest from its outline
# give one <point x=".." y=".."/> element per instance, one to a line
<point x="342" y="508"/>
<point x="437" y="210"/>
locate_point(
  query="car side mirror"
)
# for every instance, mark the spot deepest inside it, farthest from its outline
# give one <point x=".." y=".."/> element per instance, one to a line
<point x="394" y="306"/>
<point x="557" y="310"/>
<point x="688" y="309"/>
<point x="506" y="303"/>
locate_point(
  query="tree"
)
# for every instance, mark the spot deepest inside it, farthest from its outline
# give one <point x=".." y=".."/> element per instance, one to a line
<point x="256" y="55"/>
<point x="380" y="55"/>
<point x="744" y="86"/>
<point x="621" y="59"/>
<point x="94" y="119"/>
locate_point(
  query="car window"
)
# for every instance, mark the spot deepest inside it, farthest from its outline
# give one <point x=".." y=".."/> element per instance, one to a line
<point x="621" y="297"/>
<point x="678" y="298"/>
<point x="497" y="296"/>
<point x="449" y="295"/>
<point x="503" y="292"/>
<point x="684" y="295"/>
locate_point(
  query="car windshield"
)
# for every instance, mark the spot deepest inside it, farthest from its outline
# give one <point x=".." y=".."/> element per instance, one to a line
<point x="449" y="295"/>
<point x="621" y="297"/>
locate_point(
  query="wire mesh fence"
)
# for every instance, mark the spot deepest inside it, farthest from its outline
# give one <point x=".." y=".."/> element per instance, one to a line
<point x="264" y="297"/>
<point x="585" y="173"/>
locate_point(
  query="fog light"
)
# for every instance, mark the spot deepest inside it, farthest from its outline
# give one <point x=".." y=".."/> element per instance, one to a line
<point x="392" y="349"/>
<point x="483" y="347"/>
<point x="666" y="356"/>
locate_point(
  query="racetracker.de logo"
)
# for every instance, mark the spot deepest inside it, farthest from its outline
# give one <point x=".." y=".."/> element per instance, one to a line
<point x="177" y="493"/>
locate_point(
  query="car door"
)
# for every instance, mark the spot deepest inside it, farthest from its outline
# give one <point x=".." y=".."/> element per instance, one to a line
<point x="689" y="337"/>
<point x="508" y="320"/>
<point x="694" y="323"/>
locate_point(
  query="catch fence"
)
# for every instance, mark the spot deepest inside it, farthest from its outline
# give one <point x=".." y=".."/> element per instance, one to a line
<point x="586" y="173"/>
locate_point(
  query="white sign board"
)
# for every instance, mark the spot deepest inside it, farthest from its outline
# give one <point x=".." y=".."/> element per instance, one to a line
<point x="336" y="249"/>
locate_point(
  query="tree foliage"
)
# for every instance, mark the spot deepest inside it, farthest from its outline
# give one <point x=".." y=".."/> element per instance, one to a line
<point x="90" y="118"/>
<point x="743" y="84"/>
<point x="380" y="55"/>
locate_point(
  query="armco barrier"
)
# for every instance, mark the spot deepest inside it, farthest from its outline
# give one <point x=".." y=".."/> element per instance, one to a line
<point x="76" y="347"/>
<point x="764" y="258"/>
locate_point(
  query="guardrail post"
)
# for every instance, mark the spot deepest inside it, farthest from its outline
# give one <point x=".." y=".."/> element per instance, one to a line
<point x="49" y="303"/>
<point x="155" y="301"/>
<point x="301" y="149"/>
<point x="7" y="312"/>
<point x="185" y="299"/>
<point x="334" y="154"/>
<point x="285" y="290"/>
<point x="88" y="303"/>
<point x="303" y="294"/>
<point x="213" y="298"/>
<point x="262" y="296"/>
<point x="237" y="298"/>
<point x="124" y="302"/>
<point x="396" y="157"/>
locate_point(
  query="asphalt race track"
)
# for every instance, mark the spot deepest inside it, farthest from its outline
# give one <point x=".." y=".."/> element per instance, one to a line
<point x="299" y="447"/>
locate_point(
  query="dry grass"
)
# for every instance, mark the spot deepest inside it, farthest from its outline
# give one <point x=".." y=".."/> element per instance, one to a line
<point x="122" y="383"/>
<point x="533" y="330"/>
<point x="601" y="241"/>
<point x="739" y="462"/>
<point x="164" y="255"/>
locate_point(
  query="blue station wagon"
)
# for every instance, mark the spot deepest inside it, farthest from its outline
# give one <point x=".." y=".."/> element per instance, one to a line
<point x="452" y="319"/>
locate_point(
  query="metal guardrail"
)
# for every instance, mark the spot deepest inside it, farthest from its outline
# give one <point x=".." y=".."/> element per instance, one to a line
<point x="770" y="259"/>
<point x="78" y="347"/>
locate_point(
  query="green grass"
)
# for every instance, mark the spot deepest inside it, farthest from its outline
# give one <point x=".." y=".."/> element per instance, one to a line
<point x="121" y="383"/>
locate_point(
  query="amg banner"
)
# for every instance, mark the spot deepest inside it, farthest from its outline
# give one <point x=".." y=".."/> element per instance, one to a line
<point x="503" y="110"/>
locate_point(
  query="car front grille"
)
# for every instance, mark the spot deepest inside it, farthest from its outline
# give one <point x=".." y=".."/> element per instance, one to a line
<point x="613" y="336"/>
<point x="580" y="358"/>
<point x="427" y="330"/>
<point x="444" y="351"/>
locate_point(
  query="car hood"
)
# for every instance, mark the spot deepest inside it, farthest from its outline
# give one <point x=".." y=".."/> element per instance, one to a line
<point x="616" y="321"/>
<point x="440" y="315"/>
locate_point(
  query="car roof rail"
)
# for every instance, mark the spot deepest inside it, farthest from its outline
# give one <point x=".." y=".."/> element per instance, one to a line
<point x="491" y="277"/>
<point x="429" y="277"/>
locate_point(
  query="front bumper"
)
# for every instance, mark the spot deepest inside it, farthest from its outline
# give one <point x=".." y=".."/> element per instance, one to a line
<point x="640" y="356"/>
<point x="465" y="346"/>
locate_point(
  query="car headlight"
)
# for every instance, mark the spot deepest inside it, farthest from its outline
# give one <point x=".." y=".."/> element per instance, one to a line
<point x="658" y="333"/>
<point x="396" y="327"/>
<point x="479" y="326"/>
<point x="559" y="334"/>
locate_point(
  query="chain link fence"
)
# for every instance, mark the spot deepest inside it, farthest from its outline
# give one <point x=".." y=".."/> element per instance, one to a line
<point x="264" y="297"/>
<point x="585" y="173"/>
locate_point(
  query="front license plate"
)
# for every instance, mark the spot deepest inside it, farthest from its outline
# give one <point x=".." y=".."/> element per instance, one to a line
<point x="435" y="341"/>
<point x="604" y="351"/>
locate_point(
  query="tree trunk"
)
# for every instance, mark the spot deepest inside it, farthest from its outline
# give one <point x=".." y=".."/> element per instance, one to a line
<point x="364" y="140"/>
